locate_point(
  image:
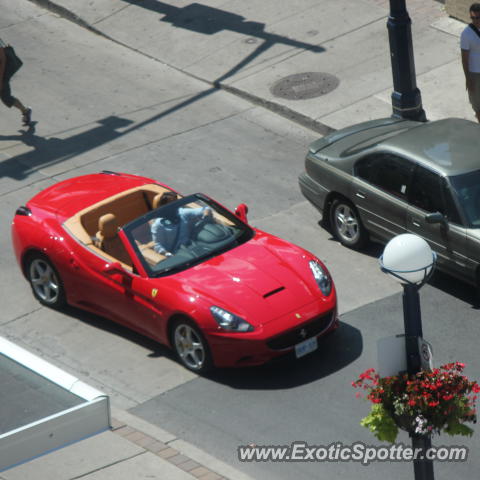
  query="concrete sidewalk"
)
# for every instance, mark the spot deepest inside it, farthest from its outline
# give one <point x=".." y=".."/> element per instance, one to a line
<point x="253" y="49"/>
<point x="133" y="449"/>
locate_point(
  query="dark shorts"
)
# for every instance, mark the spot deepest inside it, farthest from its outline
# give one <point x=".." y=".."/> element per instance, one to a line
<point x="6" y="94"/>
<point x="474" y="93"/>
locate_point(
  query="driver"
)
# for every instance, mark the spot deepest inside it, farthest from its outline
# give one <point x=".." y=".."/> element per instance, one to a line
<point x="169" y="234"/>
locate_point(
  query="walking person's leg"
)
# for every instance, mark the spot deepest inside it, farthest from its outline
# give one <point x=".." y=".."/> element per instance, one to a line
<point x="10" y="101"/>
<point x="26" y="111"/>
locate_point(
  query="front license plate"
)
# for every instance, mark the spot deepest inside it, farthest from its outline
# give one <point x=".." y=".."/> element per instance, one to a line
<point x="307" y="346"/>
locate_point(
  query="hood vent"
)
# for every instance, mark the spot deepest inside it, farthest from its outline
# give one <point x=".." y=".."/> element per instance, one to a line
<point x="273" y="292"/>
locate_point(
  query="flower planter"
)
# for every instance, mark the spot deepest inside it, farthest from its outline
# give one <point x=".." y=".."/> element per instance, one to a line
<point x="441" y="400"/>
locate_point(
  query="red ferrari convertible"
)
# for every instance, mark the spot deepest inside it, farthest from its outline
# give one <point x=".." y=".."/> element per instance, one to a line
<point x="182" y="270"/>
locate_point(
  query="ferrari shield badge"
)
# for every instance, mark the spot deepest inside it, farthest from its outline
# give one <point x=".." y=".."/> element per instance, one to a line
<point x="154" y="292"/>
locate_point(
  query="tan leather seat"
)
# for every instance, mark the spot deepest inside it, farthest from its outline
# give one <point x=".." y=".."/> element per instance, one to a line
<point x="156" y="201"/>
<point x="158" y="197"/>
<point x="107" y="239"/>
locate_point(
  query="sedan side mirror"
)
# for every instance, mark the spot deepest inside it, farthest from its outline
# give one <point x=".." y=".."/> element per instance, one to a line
<point x="241" y="212"/>
<point x="436" y="217"/>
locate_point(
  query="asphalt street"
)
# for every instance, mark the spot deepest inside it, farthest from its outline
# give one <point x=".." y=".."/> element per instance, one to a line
<point x="98" y="105"/>
<point x="312" y="400"/>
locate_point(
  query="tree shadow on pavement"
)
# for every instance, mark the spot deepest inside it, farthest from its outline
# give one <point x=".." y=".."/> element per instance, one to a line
<point x="335" y="352"/>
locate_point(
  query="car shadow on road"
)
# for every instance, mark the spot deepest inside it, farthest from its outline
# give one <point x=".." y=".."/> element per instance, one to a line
<point x="461" y="290"/>
<point x="156" y="349"/>
<point x="335" y="352"/>
<point x="372" y="249"/>
<point x="457" y="288"/>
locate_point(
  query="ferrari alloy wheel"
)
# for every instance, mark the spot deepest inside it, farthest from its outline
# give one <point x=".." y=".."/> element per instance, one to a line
<point x="45" y="281"/>
<point x="346" y="224"/>
<point x="190" y="346"/>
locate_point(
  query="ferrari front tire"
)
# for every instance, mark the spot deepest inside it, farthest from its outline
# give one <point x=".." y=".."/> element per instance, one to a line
<point x="45" y="281"/>
<point x="190" y="346"/>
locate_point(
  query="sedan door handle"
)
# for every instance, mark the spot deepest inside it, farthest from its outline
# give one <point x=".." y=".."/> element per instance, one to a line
<point x="360" y="195"/>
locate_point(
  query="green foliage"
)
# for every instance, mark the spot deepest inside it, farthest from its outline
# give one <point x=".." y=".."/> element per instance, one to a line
<point x="381" y="424"/>
<point x="457" y="428"/>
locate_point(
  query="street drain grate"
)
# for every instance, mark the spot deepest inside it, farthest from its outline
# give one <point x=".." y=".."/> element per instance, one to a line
<point x="304" y="85"/>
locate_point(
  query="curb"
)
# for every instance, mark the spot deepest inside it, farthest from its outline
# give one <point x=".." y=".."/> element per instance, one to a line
<point x="169" y="447"/>
<point x="165" y="451"/>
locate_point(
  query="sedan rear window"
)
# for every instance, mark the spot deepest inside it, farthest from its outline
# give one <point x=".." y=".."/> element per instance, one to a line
<point x="467" y="189"/>
<point x="386" y="171"/>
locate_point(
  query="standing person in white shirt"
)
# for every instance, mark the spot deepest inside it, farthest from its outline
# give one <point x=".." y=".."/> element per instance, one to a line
<point x="5" y="93"/>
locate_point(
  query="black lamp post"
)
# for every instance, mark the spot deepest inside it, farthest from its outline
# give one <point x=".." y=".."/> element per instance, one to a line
<point x="422" y="468"/>
<point x="410" y="260"/>
<point x="406" y="97"/>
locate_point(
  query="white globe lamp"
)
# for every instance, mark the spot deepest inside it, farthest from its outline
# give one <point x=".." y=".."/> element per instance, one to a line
<point x="408" y="258"/>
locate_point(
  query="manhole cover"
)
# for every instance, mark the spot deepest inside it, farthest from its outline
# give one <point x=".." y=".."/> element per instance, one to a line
<point x="304" y="85"/>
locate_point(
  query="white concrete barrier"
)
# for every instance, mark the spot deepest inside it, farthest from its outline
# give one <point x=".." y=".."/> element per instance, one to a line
<point x="57" y="430"/>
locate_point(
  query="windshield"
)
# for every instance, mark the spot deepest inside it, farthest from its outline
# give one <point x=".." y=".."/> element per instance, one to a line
<point x="467" y="188"/>
<point x="184" y="233"/>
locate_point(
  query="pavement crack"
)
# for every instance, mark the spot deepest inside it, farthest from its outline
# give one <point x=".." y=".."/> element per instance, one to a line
<point x="20" y="317"/>
<point x="25" y="20"/>
<point x="112" y="14"/>
<point x="279" y="213"/>
<point x="83" y="475"/>
<point x="271" y="130"/>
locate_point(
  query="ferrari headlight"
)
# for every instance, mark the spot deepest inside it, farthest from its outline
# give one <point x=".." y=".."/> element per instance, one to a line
<point x="229" y="321"/>
<point x="322" y="277"/>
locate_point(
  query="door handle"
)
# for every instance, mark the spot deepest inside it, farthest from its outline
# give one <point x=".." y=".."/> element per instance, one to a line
<point x="74" y="264"/>
<point x="416" y="224"/>
<point x="360" y="195"/>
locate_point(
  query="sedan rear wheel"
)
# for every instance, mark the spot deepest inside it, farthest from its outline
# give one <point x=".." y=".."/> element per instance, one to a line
<point x="191" y="346"/>
<point x="45" y="281"/>
<point x="346" y="224"/>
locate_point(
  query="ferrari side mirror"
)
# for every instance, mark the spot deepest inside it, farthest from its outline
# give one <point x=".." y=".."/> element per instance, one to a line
<point x="241" y="212"/>
<point x="111" y="268"/>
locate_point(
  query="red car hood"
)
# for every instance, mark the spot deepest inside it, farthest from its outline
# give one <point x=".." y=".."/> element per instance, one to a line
<point x="255" y="282"/>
